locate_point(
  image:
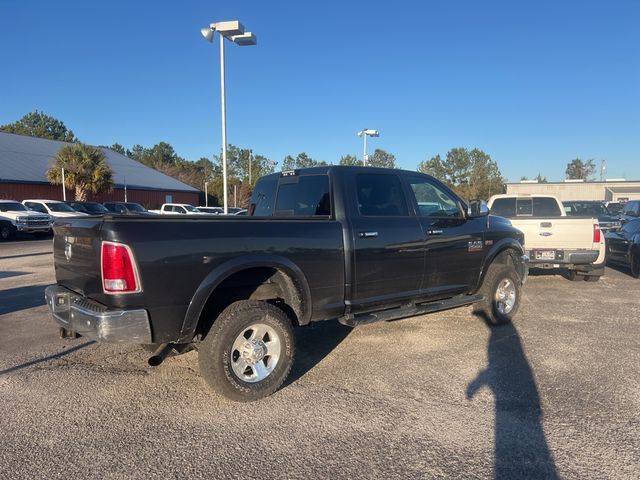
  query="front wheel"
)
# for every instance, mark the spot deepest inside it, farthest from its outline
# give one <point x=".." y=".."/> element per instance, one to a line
<point x="248" y="353"/>
<point x="501" y="289"/>
<point x="635" y="263"/>
<point x="7" y="231"/>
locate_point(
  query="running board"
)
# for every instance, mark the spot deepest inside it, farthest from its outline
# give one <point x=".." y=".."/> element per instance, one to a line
<point x="411" y="311"/>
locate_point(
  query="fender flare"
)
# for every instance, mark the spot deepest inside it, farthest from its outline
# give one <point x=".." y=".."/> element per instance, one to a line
<point x="497" y="248"/>
<point x="223" y="271"/>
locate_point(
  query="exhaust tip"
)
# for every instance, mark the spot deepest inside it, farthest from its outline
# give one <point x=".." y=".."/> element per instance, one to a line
<point x="155" y="361"/>
<point x="160" y="354"/>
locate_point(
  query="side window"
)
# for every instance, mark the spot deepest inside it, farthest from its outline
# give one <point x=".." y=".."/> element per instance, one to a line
<point x="545" y="207"/>
<point x="524" y="207"/>
<point x="504" y="207"/>
<point x="433" y="201"/>
<point x="181" y="210"/>
<point x="304" y="196"/>
<point x="380" y="195"/>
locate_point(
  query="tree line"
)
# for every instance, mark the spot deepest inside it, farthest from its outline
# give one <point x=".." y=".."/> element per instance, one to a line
<point x="471" y="173"/>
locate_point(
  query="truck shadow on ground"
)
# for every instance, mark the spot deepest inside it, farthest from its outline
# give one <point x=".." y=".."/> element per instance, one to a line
<point x="520" y="445"/>
<point x="45" y="359"/>
<point x="316" y="341"/>
<point x="15" y="299"/>
<point x="9" y="274"/>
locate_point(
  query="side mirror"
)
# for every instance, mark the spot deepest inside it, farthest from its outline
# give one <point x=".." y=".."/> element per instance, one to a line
<point x="477" y="208"/>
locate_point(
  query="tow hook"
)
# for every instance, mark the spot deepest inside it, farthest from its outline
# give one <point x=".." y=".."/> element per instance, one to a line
<point x="166" y="349"/>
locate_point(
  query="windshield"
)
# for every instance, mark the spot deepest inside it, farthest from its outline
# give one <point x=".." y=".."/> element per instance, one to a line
<point x="59" y="207"/>
<point x="614" y="208"/>
<point x="94" y="208"/>
<point x="135" y="207"/>
<point x="12" y="207"/>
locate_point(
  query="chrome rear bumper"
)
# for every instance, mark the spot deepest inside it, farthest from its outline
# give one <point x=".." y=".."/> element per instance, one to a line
<point x="93" y="320"/>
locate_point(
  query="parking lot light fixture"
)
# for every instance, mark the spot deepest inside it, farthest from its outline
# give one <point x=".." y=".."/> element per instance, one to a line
<point x="364" y="133"/>
<point x="234" y="31"/>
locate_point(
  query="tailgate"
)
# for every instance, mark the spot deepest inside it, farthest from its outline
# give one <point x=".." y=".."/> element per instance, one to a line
<point x="76" y="254"/>
<point x="559" y="233"/>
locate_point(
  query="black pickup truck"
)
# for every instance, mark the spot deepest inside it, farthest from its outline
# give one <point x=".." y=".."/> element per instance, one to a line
<point x="355" y="244"/>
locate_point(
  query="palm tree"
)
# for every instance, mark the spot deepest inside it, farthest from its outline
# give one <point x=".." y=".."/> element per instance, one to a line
<point x="85" y="169"/>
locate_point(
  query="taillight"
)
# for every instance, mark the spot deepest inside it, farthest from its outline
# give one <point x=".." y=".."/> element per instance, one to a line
<point x="596" y="233"/>
<point x="119" y="274"/>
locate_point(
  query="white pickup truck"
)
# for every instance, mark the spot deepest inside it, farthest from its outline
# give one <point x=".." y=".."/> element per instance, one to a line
<point x="553" y="240"/>
<point x="178" y="209"/>
<point x="15" y="217"/>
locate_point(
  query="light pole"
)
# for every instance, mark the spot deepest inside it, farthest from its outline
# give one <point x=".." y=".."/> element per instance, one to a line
<point x="234" y="31"/>
<point x="364" y="133"/>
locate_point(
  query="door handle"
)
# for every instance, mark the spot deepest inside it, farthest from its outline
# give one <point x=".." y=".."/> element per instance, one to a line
<point x="434" y="232"/>
<point x="367" y="234"/>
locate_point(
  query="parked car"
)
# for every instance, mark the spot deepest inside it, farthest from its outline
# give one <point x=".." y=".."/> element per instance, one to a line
<point x="630" y="211"/>
<point x="623" y="246"/>
<point x="234" y="210"/>
<point x="594" y="209"/>
<point x="90" y="208"/>
<point x="242" y="211"/>
<point x="55" y="208"/>
<point x="322" y="243"/>
<point x="178" y="209"/>
<point x="212" y="210"/>
<point x="15" y="217"/>
<point x="553" y="240"/>
<point x="126" y="208"/>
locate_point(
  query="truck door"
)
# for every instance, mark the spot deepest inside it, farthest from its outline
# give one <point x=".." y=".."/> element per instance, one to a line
<point x="454" y="244"/>
<point x="388" y="254"/>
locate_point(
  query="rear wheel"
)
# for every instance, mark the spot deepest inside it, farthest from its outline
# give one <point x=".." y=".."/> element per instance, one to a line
<point x="501" y="289"/>
<point x="7" y="231"/>
<point x="248" y="353"/>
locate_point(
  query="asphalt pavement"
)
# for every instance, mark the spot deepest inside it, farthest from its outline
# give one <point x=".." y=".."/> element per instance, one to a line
<point x="554" y="395"/>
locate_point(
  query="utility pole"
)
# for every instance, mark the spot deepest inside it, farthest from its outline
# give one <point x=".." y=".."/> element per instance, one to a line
<point x="64" y="192"/>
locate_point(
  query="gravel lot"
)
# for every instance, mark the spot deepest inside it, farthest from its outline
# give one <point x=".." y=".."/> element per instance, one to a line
<point x="556" y="394"/>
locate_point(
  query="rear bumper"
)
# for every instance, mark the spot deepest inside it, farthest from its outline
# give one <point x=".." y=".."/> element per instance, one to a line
<point x="565" y="258"/>
<point x="94" y="320"/>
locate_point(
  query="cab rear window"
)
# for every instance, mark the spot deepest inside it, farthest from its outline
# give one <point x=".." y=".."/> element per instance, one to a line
<point x="292" y="196"/>
<point x="526" y="207"/>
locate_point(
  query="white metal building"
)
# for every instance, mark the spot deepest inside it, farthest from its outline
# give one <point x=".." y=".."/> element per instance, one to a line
<point x="609" y="190"/>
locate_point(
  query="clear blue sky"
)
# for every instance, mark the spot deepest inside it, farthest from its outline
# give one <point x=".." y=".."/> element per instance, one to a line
<point x="534" y="84"/>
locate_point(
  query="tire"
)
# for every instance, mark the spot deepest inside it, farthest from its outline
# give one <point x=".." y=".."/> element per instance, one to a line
<point x="635" y="263"/>
<point x="501" y="289"/>
<point x="248" y="353"/>
<point x="591" y="278"/>
<point x="7" y="231"/>
<point x="573" y="275"/>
